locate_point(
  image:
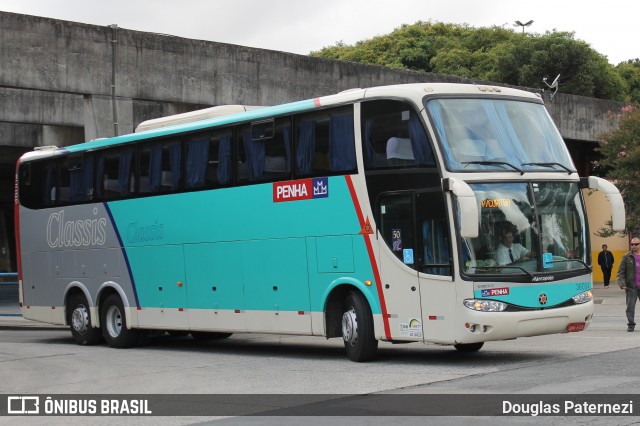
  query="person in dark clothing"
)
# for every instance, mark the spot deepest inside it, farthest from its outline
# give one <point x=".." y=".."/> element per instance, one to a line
<point x="605" y="260"/>
<point x="629" y="280"/>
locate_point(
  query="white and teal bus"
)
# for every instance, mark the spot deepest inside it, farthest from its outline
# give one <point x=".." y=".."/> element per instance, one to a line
<point x="374" y="214"/>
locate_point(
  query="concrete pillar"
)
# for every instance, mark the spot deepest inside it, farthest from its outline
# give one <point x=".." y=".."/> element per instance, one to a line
<point x="98" y="116"/>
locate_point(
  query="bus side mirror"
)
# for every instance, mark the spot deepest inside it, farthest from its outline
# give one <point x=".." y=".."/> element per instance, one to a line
<point x="614" y="197"/>
<point x="467" y="205"/>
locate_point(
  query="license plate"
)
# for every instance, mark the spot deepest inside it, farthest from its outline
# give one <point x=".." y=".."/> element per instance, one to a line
<point x="575" y="326"/>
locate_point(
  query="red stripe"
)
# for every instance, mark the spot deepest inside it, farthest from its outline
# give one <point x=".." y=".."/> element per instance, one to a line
<point x="372" y="258"/>
<point x="16" y="223"/>
<point x="316" y="102"/>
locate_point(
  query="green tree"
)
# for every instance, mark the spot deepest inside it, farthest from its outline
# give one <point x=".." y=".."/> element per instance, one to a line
<point x="493" y="54"/>
<point x="620" y="149"/>
<point x="629" y="71"/>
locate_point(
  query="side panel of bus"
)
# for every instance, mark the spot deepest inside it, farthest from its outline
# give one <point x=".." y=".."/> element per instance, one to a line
<point x="231" y="260"/>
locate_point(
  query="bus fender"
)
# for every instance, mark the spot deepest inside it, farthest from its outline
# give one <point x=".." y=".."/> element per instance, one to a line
<point x="87" y="295"/>
<point x="364" y="289"/>
<point x="125" y="301"/>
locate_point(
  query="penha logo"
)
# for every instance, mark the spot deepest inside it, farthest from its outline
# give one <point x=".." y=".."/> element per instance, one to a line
<point x="504" y="291"/>
<point x="303" y="189"/>
<point x="76" y="233"/>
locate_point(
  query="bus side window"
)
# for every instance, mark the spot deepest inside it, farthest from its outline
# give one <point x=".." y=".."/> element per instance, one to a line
<point x="325" y="143"/>
<point x="76" y="179"/>
<point x="263" y="151"/>
<point x="209" y="159"/>
<point x="37" y="181"/>
<point x="160" y="167"/>
<point x="394" y="136"/>
<point x="114" y="170"/>
<point x="434" y="233"/>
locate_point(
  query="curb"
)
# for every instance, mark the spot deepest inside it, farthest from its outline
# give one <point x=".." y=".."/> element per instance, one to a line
<point x="16" y="322"/>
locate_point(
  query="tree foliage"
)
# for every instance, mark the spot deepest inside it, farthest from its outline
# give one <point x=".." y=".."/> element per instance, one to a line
<point x="497" y="54"/>
<point x="620" y="149"/>
<point x="630" y="73"/>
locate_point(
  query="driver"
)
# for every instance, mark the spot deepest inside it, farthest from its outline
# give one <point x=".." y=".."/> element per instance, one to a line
<point x="508" y="251"/>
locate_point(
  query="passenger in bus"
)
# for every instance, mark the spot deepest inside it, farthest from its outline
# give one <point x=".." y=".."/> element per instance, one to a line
<point x="508" y="251"/>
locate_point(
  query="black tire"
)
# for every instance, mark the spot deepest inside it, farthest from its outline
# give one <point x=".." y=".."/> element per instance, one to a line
<point x="357" y="328"/>
<point x="469" y="347"/>
<point x="114" y="324"/>
<point x="203" y="336"/>
<point x="79" y="320"/>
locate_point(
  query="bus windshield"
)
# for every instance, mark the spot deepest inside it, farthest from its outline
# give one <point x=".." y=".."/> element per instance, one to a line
<point x="527" y="228"/>
<point x="498" y="134"/>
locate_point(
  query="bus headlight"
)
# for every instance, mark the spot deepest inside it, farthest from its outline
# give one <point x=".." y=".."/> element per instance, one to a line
<point x="485" y="305"/>
<point x="584" y="297"/>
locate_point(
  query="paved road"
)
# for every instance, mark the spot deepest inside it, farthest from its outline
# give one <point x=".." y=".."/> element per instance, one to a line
<point x="592" y="362"/>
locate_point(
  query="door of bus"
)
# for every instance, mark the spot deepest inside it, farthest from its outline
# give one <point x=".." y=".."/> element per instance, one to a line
<point x="437" y="290"/>
<point x="415" y="263"/>
<point x="397" y="247"/>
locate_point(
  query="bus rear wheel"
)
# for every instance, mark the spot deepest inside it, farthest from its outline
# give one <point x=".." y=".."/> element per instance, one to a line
<point x="357" y="328"/>
<point x="114" y="324"/>
<point x="469" y="347"/>
<point x="79" y="320"/>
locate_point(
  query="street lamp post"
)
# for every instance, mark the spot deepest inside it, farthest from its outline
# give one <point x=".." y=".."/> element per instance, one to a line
<point x="520" y="24"/>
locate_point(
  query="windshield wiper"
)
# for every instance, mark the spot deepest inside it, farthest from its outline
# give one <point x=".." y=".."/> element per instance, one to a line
<point x="587" y="267"/>
<point x="550" y="165"/>
<point x="493" y="163"/>
<point x="506" y="267"/>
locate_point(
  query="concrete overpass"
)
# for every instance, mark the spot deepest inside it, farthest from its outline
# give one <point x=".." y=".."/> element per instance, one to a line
<point x="58" y="81"/>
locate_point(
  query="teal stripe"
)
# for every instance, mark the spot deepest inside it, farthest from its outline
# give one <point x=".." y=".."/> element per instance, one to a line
<point x="529" y="296"/>
<point x="236" y="249"/>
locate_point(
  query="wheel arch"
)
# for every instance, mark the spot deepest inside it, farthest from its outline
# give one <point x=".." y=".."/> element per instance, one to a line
<point x="334" y="297"/>
<point x="72" y="289"/>
<point x="107" y="289"/>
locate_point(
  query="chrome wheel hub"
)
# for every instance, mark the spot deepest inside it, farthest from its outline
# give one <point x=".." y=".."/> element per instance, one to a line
<point x="350" y="326"/>
<point x="80" y="319"/>
<point x="113" y="321"/>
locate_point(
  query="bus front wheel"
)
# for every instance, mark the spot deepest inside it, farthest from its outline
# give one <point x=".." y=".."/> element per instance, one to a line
<point x="114" y="324"/>
<point x="357" y="328"/>
<point x="468" y="347"/>
<point x="79" y="320"/>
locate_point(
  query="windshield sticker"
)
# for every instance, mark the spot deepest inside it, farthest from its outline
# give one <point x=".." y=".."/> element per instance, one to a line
<point x="396" y="239"/>
<point x="407" y="255"/>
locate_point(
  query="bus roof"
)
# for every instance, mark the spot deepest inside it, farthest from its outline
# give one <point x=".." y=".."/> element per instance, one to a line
<point x="190" y="117"/>
<point x="231" y="114"/>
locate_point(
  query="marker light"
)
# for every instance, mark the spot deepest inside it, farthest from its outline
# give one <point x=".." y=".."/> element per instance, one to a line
<point x="584" y="297"/>
<point x="485" y="305"/>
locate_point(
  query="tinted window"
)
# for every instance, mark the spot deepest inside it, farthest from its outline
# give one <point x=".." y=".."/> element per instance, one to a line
<point x="325" y="143"/>
<point x="394" y="136"/>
